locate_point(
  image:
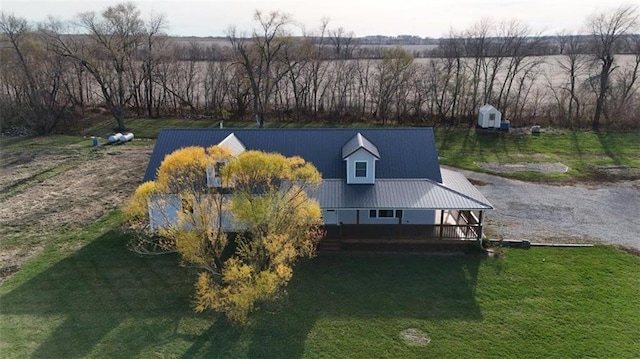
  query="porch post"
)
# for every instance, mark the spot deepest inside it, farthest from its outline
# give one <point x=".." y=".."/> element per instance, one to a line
<point x="481" y="223"/>
<point x="441" y="222"/>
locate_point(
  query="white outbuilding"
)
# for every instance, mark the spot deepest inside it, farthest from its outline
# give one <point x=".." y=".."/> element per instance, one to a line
<point x="489" y="117"/>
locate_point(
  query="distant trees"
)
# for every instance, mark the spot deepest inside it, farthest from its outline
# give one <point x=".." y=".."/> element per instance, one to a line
<point x="118" y="61"/>
<point x="264" y="196"/>
<point x="34" y="80"/>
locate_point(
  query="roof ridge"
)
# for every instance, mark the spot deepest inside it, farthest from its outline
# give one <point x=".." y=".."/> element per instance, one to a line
<point x="297" y="129"/>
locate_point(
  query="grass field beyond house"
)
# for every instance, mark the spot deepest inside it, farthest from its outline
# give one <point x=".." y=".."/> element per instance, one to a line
<point x="589" y="155"/>
<point x="102" y="301"/>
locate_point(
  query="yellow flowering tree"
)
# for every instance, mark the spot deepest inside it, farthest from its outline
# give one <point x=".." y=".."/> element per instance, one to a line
<point x="264" y="197"/>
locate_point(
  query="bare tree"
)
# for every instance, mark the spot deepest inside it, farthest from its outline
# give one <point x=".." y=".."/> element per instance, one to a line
<point x="476" y="47"/>
<point x="343" y="43"/>
<point x="573" y="64"/>
<point x="392" y="75"/>
<point x="114" y="36"/>
<point x="258" y="56"/>
<point x="626" y="80"/>
<point x="41" y="74"/>
<point x="608" y="30"/>
<point x="153" y="41"/>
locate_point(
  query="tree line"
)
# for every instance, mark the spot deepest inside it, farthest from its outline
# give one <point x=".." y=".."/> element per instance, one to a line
<point x="54" y="71"/>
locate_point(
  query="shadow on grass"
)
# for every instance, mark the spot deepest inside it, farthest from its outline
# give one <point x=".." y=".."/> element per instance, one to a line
<point x="99" y="290"/>
<point x="346" y="287"/>
<point x="112" y="303"/>
<point x="609" y="146"/>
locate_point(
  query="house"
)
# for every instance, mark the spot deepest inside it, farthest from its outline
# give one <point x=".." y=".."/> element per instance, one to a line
<point x="381" y="187"/>
<point x="489" y="117"/>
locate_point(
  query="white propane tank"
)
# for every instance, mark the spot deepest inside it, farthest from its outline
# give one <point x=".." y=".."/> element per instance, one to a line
<point x="126" y="137"/>
<point x="115" y="137"/>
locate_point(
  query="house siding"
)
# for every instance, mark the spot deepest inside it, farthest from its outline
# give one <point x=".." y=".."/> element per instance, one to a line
<point x="419" y="217"/>
<point x="164" y="210"/>
<point x="350" y="216"/>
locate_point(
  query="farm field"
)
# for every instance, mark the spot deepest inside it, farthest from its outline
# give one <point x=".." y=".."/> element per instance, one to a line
<point x="70" y="288"/>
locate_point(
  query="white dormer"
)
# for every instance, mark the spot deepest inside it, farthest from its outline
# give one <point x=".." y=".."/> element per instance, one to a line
<point x="235" y="147"/>
<point x="233" y="144"/>
<point x="360" y="156"/>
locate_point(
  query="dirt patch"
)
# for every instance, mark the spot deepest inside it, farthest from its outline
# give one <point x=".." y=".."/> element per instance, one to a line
<point x="414" y="336"/>
<point x="619" y="171"/>
<point x="95" y="187"/>
<point x="98" y="181"/>
<point x="542" y="167"/>
<point x="19" y="167"/>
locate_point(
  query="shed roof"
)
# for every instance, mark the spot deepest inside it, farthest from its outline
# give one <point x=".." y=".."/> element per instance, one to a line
<point x="488" y="108"/>
<point x="407" y="152"/>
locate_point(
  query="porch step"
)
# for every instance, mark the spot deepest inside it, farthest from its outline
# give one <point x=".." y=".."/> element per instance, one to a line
<point x="329" y="245"/>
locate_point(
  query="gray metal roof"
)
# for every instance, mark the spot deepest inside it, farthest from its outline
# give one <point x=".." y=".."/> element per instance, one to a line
<point x="396" y="194"/>
<point x="357" y="142"/>
<point x="405" y="152"/>
<point x="457" y="182"/>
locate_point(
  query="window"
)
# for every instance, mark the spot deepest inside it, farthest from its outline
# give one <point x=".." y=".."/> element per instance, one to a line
<point x="385" y="213"/>
<point x="398" y="213"/>
<point x="361" y="169"/>
<point x="373" y="213"/>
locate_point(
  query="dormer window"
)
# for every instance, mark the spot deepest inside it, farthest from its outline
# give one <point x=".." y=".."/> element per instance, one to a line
<point x="360" y="156"/>
<point x="361" y="169"/>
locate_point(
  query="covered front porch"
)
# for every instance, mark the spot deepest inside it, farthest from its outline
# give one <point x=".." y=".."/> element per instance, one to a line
<point x="402" y="214"/>
<point x="451" y="230"/>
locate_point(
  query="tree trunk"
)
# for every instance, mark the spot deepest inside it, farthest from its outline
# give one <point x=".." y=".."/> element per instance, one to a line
<point x="604" y="84"/>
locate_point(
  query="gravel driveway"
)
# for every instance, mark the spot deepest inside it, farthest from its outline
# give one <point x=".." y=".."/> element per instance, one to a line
<point x="602" y="213"/>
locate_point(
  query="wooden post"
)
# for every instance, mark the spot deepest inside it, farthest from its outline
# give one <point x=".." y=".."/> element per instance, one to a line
<point x="481" y="223"/>
<point x="441" y="223"/>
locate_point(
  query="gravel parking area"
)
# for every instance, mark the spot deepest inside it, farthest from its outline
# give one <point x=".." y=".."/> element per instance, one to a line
<point x="583" y="213"/>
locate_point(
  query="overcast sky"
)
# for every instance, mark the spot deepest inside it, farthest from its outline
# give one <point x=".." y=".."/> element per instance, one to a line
<point x="424" y="18"/>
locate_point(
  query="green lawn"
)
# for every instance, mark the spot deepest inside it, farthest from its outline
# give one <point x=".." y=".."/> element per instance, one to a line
<point x="87" y="296"/>
<point x="582" y="151"/>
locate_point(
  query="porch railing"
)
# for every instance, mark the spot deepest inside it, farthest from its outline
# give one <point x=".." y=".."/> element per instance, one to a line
<point x="404" y="231"/>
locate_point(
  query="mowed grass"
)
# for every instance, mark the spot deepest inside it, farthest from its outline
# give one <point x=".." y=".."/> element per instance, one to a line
<point x="582" y="151"/>
<point x="102" y="301"/>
